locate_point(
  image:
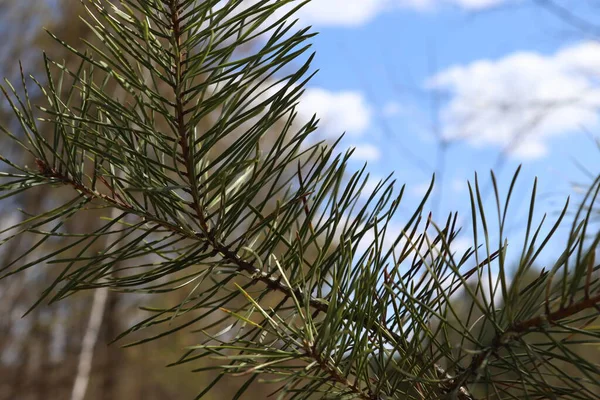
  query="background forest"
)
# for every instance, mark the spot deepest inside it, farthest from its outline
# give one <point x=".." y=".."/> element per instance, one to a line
<point x="61" y="351"/>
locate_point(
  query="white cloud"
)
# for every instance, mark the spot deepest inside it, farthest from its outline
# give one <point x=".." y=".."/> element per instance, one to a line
<point x="521" y="101"/>
<point x="352" y="13"/>
<point x="421" y="189"/>
<point x="391" y="109"/>
<point x="366" y="152"/>
<point x="342" y="12"/>
<point x="460" y="245"/>
<point x="458" y="185"/>
<point x="477" y="4"/>
<point x="337" y="12"/>
<point x="359" y="12"/>
<point x="339" y="112"/>
<point x="394" y="234"/>
<point x="371" y="185"/>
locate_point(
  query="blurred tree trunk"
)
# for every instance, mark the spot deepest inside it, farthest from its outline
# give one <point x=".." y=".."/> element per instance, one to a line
<point x="88" y="345"/>
<point x="111" y="366"/>
<point x="44" y="373"/>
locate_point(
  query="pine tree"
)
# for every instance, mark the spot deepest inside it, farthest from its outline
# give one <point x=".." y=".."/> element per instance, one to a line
<point x="288" y="274"/>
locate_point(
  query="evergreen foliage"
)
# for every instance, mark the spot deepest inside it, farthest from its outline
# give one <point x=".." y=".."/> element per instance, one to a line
<point x="207" y="183"/>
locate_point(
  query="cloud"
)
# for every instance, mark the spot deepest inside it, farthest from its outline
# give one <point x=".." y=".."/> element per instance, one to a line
<point x="371" y="185"/>
<point x="478" y="4"/>
<point x="335" y="12"/>
<point x="339" y="112"/>
<point x="458" y="185"/>
<point x="366" y="152"/>
<point x="342" y="12"/>
<point x="520" y="102"/>
<point x="353" y="13"/>
<point x="359" y="12"/>
<point x="460" y="245"/>
<point x="392" y="109"/>
<point x="420" y="189"/>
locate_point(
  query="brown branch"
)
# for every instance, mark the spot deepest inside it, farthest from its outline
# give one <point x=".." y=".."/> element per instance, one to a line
<point x="182" y="129"/>
<point x="336" y="376"/>
<point x="520" y="328"/>
<point x="449" y="383"/>
<point x="541" y="320"/>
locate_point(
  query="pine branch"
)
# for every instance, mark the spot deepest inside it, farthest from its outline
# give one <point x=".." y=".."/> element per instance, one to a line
<point x="518" y="329"/>
<point x="257" y="275"/>
<point x="336" y="375"/>
<point x="181" y="126"/>
<point x="243" y="210"/>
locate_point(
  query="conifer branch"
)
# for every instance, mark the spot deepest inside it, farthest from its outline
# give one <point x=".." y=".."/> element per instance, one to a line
<point x="362" y="312"/>
<point x="257" y="275"/>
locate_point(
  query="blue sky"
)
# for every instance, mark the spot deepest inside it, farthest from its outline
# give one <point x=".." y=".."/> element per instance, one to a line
<point x="502" y="82"/>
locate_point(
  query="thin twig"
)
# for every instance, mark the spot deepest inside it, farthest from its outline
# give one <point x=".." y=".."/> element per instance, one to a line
<point x="336" y="376"/>
<point x="520" y="328"/>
